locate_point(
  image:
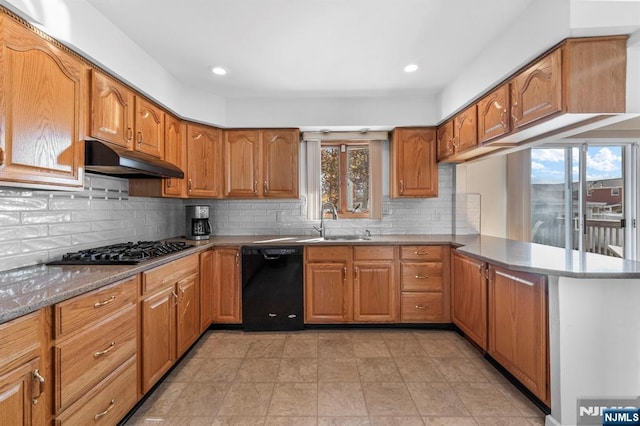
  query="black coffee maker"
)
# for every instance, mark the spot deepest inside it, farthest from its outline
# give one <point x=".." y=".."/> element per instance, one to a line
<point x="197" y="225"/>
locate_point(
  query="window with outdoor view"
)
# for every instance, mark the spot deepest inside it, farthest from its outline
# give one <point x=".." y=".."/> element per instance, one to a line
<point x="345" y="177"/>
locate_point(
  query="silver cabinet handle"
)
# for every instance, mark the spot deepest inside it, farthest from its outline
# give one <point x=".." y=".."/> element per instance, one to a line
<point x="104" y="302"/>
<point x="105" y="412"/>
<point x="40" y="379"/>
<point x="106" y="351"/>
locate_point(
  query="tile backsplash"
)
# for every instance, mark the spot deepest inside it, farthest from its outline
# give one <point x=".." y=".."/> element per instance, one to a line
<point x="39" y="226"/>
<point x="400" y="216"/>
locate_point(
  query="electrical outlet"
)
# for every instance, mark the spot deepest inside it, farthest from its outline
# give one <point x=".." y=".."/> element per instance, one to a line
<point x="279" y="216"/>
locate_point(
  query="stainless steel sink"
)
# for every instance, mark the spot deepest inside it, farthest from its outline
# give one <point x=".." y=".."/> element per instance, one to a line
<point x="344" y="238"/>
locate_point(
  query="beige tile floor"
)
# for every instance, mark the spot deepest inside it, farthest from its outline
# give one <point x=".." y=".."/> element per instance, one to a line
<point x="341" y="377"/>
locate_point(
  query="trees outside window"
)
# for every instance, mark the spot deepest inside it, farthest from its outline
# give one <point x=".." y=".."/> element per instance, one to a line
<point x="345" y="177"/>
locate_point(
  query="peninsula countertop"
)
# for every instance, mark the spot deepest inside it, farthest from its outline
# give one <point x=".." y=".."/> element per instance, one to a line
<point x="27" y="289"/>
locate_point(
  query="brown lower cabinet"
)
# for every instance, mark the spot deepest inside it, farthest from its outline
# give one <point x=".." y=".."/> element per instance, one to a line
<point x="518" y="327"/>
<point x="207" y="283"/>
<point x="227" y="287"/>
<point x="94" y="341"/>
<point x="169" y="316"/>
<point x="22" y="395"/>
<point x="376" y="284"/>
<point x="505" y="313"/>
<point x="328" y="286"/>
<point x="469" y="297"/>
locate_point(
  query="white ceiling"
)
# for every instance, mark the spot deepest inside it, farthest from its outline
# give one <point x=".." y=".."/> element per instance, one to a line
<point x="296" y="48"/>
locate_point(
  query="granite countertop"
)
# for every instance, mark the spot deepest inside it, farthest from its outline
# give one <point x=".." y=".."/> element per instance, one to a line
<point x="27" y="289"/>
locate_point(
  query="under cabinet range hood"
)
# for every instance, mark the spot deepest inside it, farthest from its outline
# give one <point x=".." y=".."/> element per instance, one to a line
<point x="115" y="161"/>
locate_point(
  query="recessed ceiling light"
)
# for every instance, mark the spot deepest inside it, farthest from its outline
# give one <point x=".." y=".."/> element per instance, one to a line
<point x="218" y="70"/>
<point x="410" y="68"/>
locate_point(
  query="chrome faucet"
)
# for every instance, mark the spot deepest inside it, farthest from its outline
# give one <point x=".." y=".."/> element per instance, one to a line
<point x="334" y="216"/>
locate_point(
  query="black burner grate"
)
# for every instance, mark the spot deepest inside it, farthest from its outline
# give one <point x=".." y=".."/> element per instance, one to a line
<point x="122" y="254"/>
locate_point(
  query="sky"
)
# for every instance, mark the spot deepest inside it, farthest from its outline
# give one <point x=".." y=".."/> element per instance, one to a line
<point x="603" y="162"/>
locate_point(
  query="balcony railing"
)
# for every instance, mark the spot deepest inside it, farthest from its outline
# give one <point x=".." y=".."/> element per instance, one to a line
<point x="603" y="236"/>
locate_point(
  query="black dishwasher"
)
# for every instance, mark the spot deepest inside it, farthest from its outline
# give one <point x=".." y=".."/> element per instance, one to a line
<point x="272" y="296"/>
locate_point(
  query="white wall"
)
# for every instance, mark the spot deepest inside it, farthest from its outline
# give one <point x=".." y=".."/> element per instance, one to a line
<point x="543" y="24"/>
<point x="385" y="112"/>
<point x="79" y="25"/>
<point x="489" y="179"/>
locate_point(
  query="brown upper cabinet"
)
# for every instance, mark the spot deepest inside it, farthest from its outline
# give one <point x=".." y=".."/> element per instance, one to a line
<point x="197" y="150"/>
<point x="414" y="172"/>
<point x="536" y="92"/>
<point x="175" y="152"/>
<point x="123" y="118"/>
<point x="111" y="110"/>
<point x="42" y="91"/>
<point x="459" y="134"/>
<point x="204" y="161"/>
<point x="581" y="80"/>
<point x="261" y="163"/>
<point x="493" y="114"/>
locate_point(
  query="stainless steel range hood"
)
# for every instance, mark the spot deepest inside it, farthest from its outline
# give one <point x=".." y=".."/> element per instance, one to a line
<point x="114" y="161"/>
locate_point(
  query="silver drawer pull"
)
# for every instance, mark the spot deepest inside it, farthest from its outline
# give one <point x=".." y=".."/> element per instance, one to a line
<point x="421" y="277"/>
<point x="104" y="302"/>
<point x="422" y="306"/>
<point x="291" y="316"/>
<point x="104" y="352"/>
<point x="273" y="315"/>
<point x="104" y="413"/>
<point x="38" y="377"/>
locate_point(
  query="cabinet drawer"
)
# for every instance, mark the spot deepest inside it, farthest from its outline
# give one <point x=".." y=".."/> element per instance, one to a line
<point x="108" y="402"/>
<point x="85" y="359"/>
<point x="374" y="253"/>
<point x="159" y="277"/>
<point x="73" y="314"/>
<point x="327" y="254"/>
<point x="422" y="307"/>
<point x="421" y="276"/>
<point x="19" y="340"/>
<point x="421" y="252"/>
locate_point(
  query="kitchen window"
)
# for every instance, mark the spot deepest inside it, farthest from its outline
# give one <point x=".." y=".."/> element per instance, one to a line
<point x="345" y="169"/>
<point x="580" y="196"/>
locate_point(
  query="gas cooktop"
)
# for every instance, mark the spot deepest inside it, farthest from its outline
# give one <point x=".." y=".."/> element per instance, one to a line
<point x="122" y="254"/>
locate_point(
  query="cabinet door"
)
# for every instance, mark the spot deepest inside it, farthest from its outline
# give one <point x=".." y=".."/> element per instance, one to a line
<point x="227" y="286"/>
<point x="469" y="297"/>
<point x="111" y="110"/>
<point x="242" y="164"/>
<point x="493" y="114"/>
<point x="375" y="292"/>
<point x="207" y="277"/>
<point x="518" y="326"/>
<point x="19" y="388"/>
<point x="41" y="110"/>
<point x="445" y="140"/>
<point x="280" y="153"/>
<point x="414" y="163"/>
<point x="149" y="121"/>
<point x="537" y="91"/>
<point x="328" y="291"/>
<point x="465" y="129"/>
<point x="175" y="152"/>
<point x="158" y="335"/>
<point x="188" y="328"/>
<point x="204" y="161"/>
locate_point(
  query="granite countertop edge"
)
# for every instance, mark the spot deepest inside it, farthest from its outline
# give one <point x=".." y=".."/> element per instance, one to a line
<point x="28" y="289"/>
